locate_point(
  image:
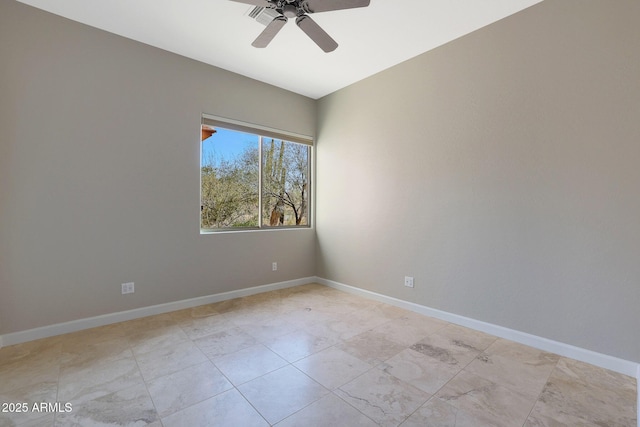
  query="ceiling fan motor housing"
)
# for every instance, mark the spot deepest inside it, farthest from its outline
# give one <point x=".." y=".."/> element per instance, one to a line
<point x="290" y="11"/>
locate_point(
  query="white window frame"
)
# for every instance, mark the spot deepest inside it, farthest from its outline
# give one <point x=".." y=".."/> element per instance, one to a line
<point x="262" y="132"/>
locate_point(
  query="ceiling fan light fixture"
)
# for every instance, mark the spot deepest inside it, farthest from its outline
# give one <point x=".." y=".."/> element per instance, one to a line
<point x="277" y="12"/>
<point x="263" y="15"/>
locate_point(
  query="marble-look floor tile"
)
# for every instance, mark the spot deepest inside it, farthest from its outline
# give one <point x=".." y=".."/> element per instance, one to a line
<point x="46" y="348"/>
<point x="332" y="367"/>
<point x="330" y="307"/>
<point x="371" y="347"/>
<point x="578" y="392"/>
<point x="354" y="302"/>
<point x="309" y="288"/>
<point x="299" y="344"/>
<point x="375" y="316"/>
<point x="159" y="321"/>
<point x="455" y="345"/>
<point x="359" y="303"/>
<point x="228" y="409"/>
<point x="47" y="420"/>
<point x="281" y="393"/>
<point x="437" y="413"/>
<point x="253" y="314"/>
<point x="167" y="360"/>
<point x="515" y="366"/>
<point x="270" y="301"/>
<point x="94" y="352"/>
<point x="26" y="374"/>
<point x="328" y="411"/>
<point x="340" y="327"/>
<point x="270" y="329"/>
<point x="410" y="329"/>
<point x="388" y="311"/>
<point x="382" y="397"/>
<point x="145" y="341"/>
<point x="307" y="317"/>
<point x="44" y="420"/>
<point x="225" y="342"/>
<point x="479" y="380"/>
<point x="187" y="387"/>
<point x="308" y="298"/>
<point x="201" y="311"/>
<point x="424" y="372"/>
<point x="75" y="341"/>
<point x="88" y="382"/>
<point x="199" y="327"/>
<point x="520" y="352"/>
<point x="261" y="299"/>
<point x="247" y="316"/>
<point x="127" y="407"/>
<point x="249" y="363"/>
<point x="326" y="329"/>
<point x="557" y="419"/>
<point x="151" y="331"/>
<point x="30" y="363"/>
<point x="227" y="306"/>
<point x="586" y="374"/>
<point x="486" y="401"/>
<point x="29" y="395"/>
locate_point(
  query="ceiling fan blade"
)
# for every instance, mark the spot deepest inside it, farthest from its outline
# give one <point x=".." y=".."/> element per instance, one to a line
<point x="314" y="6"/>
<point x="263" y="3"/>
<point x="270" y="32"/>
<point x="317" y="34"/>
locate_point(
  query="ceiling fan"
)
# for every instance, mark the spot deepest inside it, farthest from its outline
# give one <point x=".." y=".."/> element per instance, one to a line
<point x="300" y="9"/>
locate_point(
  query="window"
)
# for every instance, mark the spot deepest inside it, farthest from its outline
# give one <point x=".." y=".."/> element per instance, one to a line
<point x="252" y="177"/>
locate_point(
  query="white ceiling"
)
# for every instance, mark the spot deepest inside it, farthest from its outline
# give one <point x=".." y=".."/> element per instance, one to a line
<point x="219" y="32"/>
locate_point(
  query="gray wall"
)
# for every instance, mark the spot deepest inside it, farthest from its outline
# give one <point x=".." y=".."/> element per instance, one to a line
<point x="502" y="171"/>
<point x="99" y="174"/>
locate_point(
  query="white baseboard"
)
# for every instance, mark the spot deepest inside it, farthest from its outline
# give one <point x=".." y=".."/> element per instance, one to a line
<point x="107" y="319"/>
<point x="622" y="366"/>
<point x="598" y="359"/>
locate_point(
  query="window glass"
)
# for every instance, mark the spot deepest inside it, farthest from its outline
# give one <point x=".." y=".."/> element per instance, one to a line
<point x="285" y="181"/>
<point x="229" y="180"/>
<point x="250" y="181"/>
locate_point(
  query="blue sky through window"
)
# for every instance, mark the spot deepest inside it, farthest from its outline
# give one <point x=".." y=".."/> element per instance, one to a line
<point x="226" y="144"/>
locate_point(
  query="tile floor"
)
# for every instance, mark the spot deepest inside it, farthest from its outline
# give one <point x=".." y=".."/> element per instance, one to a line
<point x="305" y="356"/>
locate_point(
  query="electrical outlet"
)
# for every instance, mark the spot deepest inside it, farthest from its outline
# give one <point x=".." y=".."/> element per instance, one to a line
<point x="128" y="288"/>
<point x="274" y="266"/>
<point x="408" y="281"/>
